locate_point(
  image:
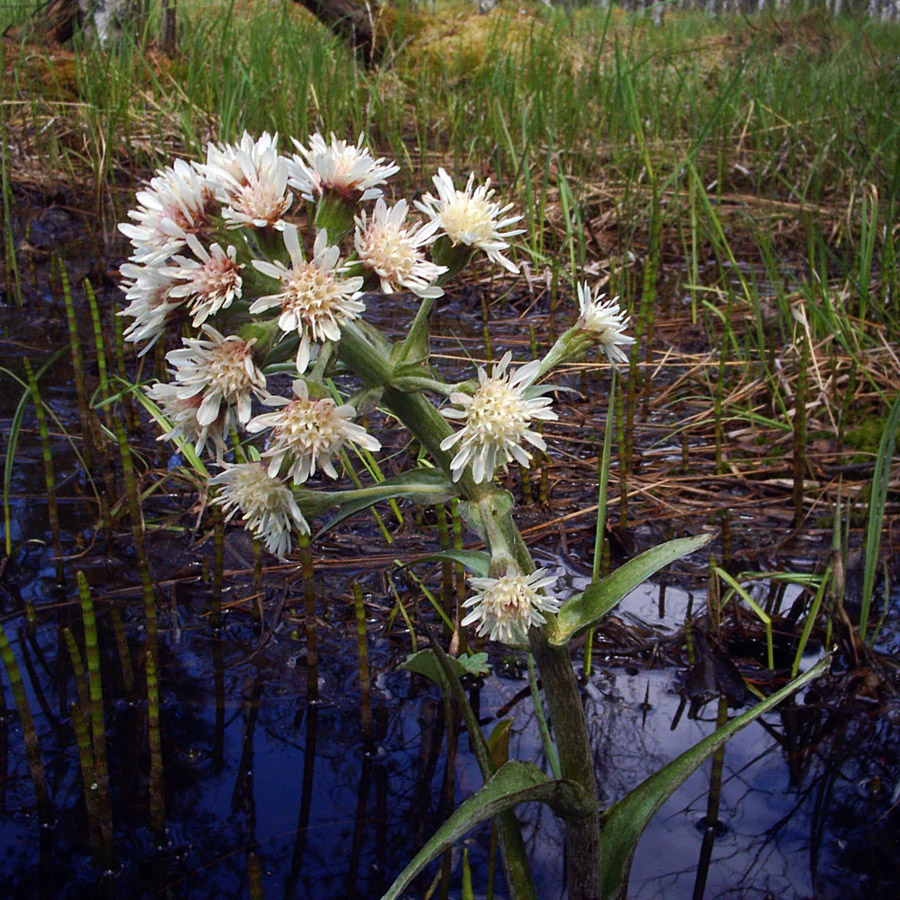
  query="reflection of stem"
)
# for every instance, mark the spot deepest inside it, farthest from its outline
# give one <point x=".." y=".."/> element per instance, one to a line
<point x="4" y="748"/>
<point x="154" y="734"/>
<point x="309" y="765"/>
<point x="312" y="633"/>
<point x="364" y="684"/>
<point x="218" y="748"/>
<point x="242" y="796"/>
<point x="448" y="789"/>
<point x="711" y="823"/>
<point x="359" y="824"/>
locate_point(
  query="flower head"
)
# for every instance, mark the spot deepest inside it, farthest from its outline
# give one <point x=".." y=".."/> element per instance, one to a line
<point x="340" y="167"/>
<point x="183" y="414"/>
<point x="178" y="202"/>
<point x="308" y="433"/>
<point x="470" y="217"/>
<point x="208" y="283"/>
<point x="506" y="607"/>
<point x="314" y="300"/>
<point x="250" y="181"/>
<point x="151" y="303"/>
<point x="605" y="321"/>
<point x="497" y="416"/>
<point x="267" y="505"/>
<point x="220" y="370"/>
<point x="393" y="250"/>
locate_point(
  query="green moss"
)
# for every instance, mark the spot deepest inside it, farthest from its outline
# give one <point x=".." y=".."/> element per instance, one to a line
<point x="457" y="41"/>
<point x="865" y="435"/>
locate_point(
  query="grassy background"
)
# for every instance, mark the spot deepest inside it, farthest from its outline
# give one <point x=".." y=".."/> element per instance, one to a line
<point x="734" y="179"/>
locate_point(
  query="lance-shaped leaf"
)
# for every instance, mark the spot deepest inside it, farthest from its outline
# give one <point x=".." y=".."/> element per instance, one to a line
<point x="514" y="783"/>
<point x="625" y="821"/>
<point x="475" y="561"/>
<point x="583" y="610"/>
<point x="427" y="486"/>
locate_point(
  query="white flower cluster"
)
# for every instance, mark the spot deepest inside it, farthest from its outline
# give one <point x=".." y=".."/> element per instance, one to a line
<point x="261" y="263"/>
<point x="217" y="246"/>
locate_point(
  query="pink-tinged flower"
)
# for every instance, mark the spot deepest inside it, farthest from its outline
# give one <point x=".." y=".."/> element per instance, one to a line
<point x="506" y="607"/>
<point x="250" y="181"/>
<point x="497" y="417"/>
<point x="221" y="371"/>
<point x="314" y="300"/>
<point x="471" y="217"/>
<point x="209" y="283"/>
<point x="151" y="302"/>
<point x="605" y="321"/>
<point x="267" y="505"/>
<point x="346" y="169"/>
<point x="307" y="433"/>
<point x="177" y="203"/>
<point x="393" y="250"/>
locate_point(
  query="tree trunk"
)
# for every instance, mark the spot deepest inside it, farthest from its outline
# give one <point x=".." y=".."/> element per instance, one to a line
<point x="53" y="23"/>
<point x="353" y="20"/>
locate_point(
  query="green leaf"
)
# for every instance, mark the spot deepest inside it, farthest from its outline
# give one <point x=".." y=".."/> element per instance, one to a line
<point x="425" y="663"/>
<point x="429" y="486"/>
<point x="476" y="664"/>
<point x="466" y="892"/>
<point x="416" y="347"/>
<point x="498" y="742"/>
<point x="475" y="561"/>
<point x="500" y="503"/>
<point x="625" y="821"/>
<point x="583" y="610"/>
<point x="514" y="783"/>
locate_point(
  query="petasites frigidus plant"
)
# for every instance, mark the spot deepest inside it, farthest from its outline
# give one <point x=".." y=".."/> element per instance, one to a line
<point x="260" y="267"/>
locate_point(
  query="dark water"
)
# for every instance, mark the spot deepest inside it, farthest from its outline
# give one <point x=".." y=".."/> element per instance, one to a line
<point x="270" y="793"/>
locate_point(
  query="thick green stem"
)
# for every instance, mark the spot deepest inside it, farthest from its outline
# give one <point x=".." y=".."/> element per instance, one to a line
<point x="373" y="364"/>
<point x="575" y="761"/>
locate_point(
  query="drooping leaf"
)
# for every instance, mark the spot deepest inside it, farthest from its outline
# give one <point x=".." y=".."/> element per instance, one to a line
<point x="428" y="486"/>
<point x="625" y="821"/>
<point x="514" y="783"/>
<point x="475" y="561"/>
<point x="583" y="610"/>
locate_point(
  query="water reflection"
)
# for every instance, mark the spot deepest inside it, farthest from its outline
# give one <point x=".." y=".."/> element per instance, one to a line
<point x="268" y="794"/>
